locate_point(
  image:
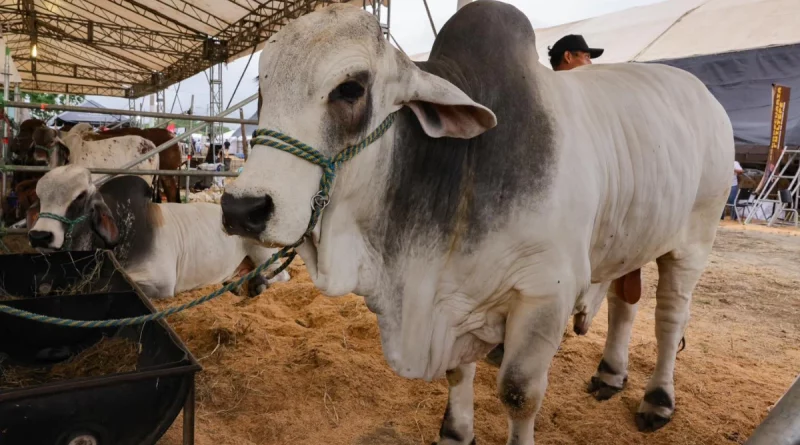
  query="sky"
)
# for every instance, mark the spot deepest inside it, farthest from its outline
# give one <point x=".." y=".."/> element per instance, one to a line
<point x="409" y="26"/>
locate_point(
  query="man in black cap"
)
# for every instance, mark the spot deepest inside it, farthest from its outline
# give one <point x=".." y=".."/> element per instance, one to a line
<point x="571" y="51"/>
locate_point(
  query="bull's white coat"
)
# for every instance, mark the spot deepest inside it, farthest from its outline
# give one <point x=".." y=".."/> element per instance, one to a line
<point x="190" y="249"/>
<point x="642" y="173"/>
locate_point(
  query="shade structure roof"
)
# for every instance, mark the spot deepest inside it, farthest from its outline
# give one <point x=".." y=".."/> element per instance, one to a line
<point x="677" y="29"/>
<point x="130" y="48"/>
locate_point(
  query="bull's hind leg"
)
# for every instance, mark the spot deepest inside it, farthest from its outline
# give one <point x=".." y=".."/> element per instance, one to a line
<point x="534" y="330"/>
<point x="612" y="372"/>
<point x="678" y="273"/>
<point x="457" y="426"/>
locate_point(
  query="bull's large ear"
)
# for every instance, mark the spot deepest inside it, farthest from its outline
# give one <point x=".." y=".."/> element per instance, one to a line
<point x="443" y="109"/>
<point x="103" y="223"/>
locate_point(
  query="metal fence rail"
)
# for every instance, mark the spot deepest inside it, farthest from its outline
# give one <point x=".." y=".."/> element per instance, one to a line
<point x="125" y="168"/>
<point x="122" y="171"/>
<point x="216" y="118"/>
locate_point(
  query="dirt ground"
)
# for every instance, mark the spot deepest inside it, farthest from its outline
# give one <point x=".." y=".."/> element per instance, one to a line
<point x="295" y="367"/>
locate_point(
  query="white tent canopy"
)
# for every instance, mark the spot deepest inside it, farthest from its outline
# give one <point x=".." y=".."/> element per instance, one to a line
<point x="676" y="29"/>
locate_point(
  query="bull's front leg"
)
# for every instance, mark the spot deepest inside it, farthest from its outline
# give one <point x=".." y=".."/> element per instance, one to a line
<point x="457" y="424"/>
<point x="534" y="330"/>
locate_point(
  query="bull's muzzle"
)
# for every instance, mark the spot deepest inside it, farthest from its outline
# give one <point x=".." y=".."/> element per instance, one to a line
<point x="246" y="216"/>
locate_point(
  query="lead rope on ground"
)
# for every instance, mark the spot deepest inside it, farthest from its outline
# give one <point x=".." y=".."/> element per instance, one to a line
<point x="264" y="137"/>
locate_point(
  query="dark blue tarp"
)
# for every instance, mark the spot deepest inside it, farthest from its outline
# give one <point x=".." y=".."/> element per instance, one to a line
<point x="742" y="82"/>
<point x="95" y="119"/>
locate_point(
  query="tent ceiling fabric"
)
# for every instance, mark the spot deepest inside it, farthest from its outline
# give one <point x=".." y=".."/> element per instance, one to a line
<point x="677" y="29"/>
<point x="116" y="47"/>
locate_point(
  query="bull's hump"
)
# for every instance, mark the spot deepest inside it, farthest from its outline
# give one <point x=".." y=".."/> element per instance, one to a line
<point x="462" y="188"/>
<point x="489" y="33"/>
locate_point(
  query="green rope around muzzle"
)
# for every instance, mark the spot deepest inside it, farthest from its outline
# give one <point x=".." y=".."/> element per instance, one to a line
<point x="70" y="223"/>
<point x="263" y="137"/>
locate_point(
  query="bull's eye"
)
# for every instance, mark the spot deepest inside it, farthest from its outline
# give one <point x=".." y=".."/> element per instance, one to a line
<point x="81" y="196"/>
<point x="349" y="91"/>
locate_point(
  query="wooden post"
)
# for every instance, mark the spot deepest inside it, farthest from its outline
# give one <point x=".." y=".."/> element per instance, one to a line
<point x="245" y="145"/>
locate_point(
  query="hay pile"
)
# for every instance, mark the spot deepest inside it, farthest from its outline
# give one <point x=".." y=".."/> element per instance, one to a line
<point x="211" y="194"/>
<point x="296" y="367"/>
<point x="112" y="355"/>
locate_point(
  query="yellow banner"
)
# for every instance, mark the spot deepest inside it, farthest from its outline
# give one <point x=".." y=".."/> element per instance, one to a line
<point x="780" y="108"/>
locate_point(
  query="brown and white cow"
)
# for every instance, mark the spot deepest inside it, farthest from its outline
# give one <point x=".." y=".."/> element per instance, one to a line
<point x="110" y="153"/>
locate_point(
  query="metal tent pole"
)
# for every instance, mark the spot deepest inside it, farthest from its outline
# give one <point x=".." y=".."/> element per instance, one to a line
<point x="215" y="106"/>
<point x="6" y="129"/>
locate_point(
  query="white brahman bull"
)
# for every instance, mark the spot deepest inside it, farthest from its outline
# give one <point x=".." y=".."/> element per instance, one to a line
<point x="105" y="153"/>
<point x="504" y="198"/>
<point x="165" y="248"/>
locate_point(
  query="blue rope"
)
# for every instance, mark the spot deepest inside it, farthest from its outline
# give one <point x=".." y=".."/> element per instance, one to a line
<point x="265" y="137"/>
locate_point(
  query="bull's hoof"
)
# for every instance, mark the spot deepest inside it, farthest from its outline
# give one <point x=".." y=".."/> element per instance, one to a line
<point x="606" y="382"/>
<point x="236" y="290"/>
<point x="258" y="290"/>
<point x="655" y="410"/>
<point x="649" y="422"/>
<point x="495" y="356"/>
<point x="601" y="390"/>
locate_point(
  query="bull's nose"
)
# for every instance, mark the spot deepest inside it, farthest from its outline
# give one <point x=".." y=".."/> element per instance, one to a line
<point x="246" y="216"/>
<point x="40" y="238"/>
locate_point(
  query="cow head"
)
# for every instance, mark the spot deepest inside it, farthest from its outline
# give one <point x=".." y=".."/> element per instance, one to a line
<point x="21" y="144"/>
<point x="68" y="192"/>
<point x="328" y="79"/>
<point x="48" y="147"/>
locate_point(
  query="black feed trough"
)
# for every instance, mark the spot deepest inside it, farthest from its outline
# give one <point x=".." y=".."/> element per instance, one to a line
<point x="125" y="408"/>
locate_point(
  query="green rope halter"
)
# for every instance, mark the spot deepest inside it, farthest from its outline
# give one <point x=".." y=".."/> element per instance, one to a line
<point x="320" y="201"/>
<point x="47" y="150"/>
<point x="70" y="223"/>
<point x="329" y="165"/>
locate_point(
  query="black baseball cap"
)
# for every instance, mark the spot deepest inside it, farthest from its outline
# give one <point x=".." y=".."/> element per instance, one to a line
<point x="574" y="42"/>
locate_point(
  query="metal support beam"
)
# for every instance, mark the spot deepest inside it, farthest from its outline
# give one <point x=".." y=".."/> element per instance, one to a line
<point x="6" y="128"/>
<point x="79" y="30"/>
<point x="75" y="71"/>
<point x="122" y="171"/>
<point x="161" y="103"/>
<point x="58" y="87"/>
<point x="215" y="107"/>
<point x="239" y="37"/>
<point x="132" y="107"/>
<point x="215" y="118"/>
